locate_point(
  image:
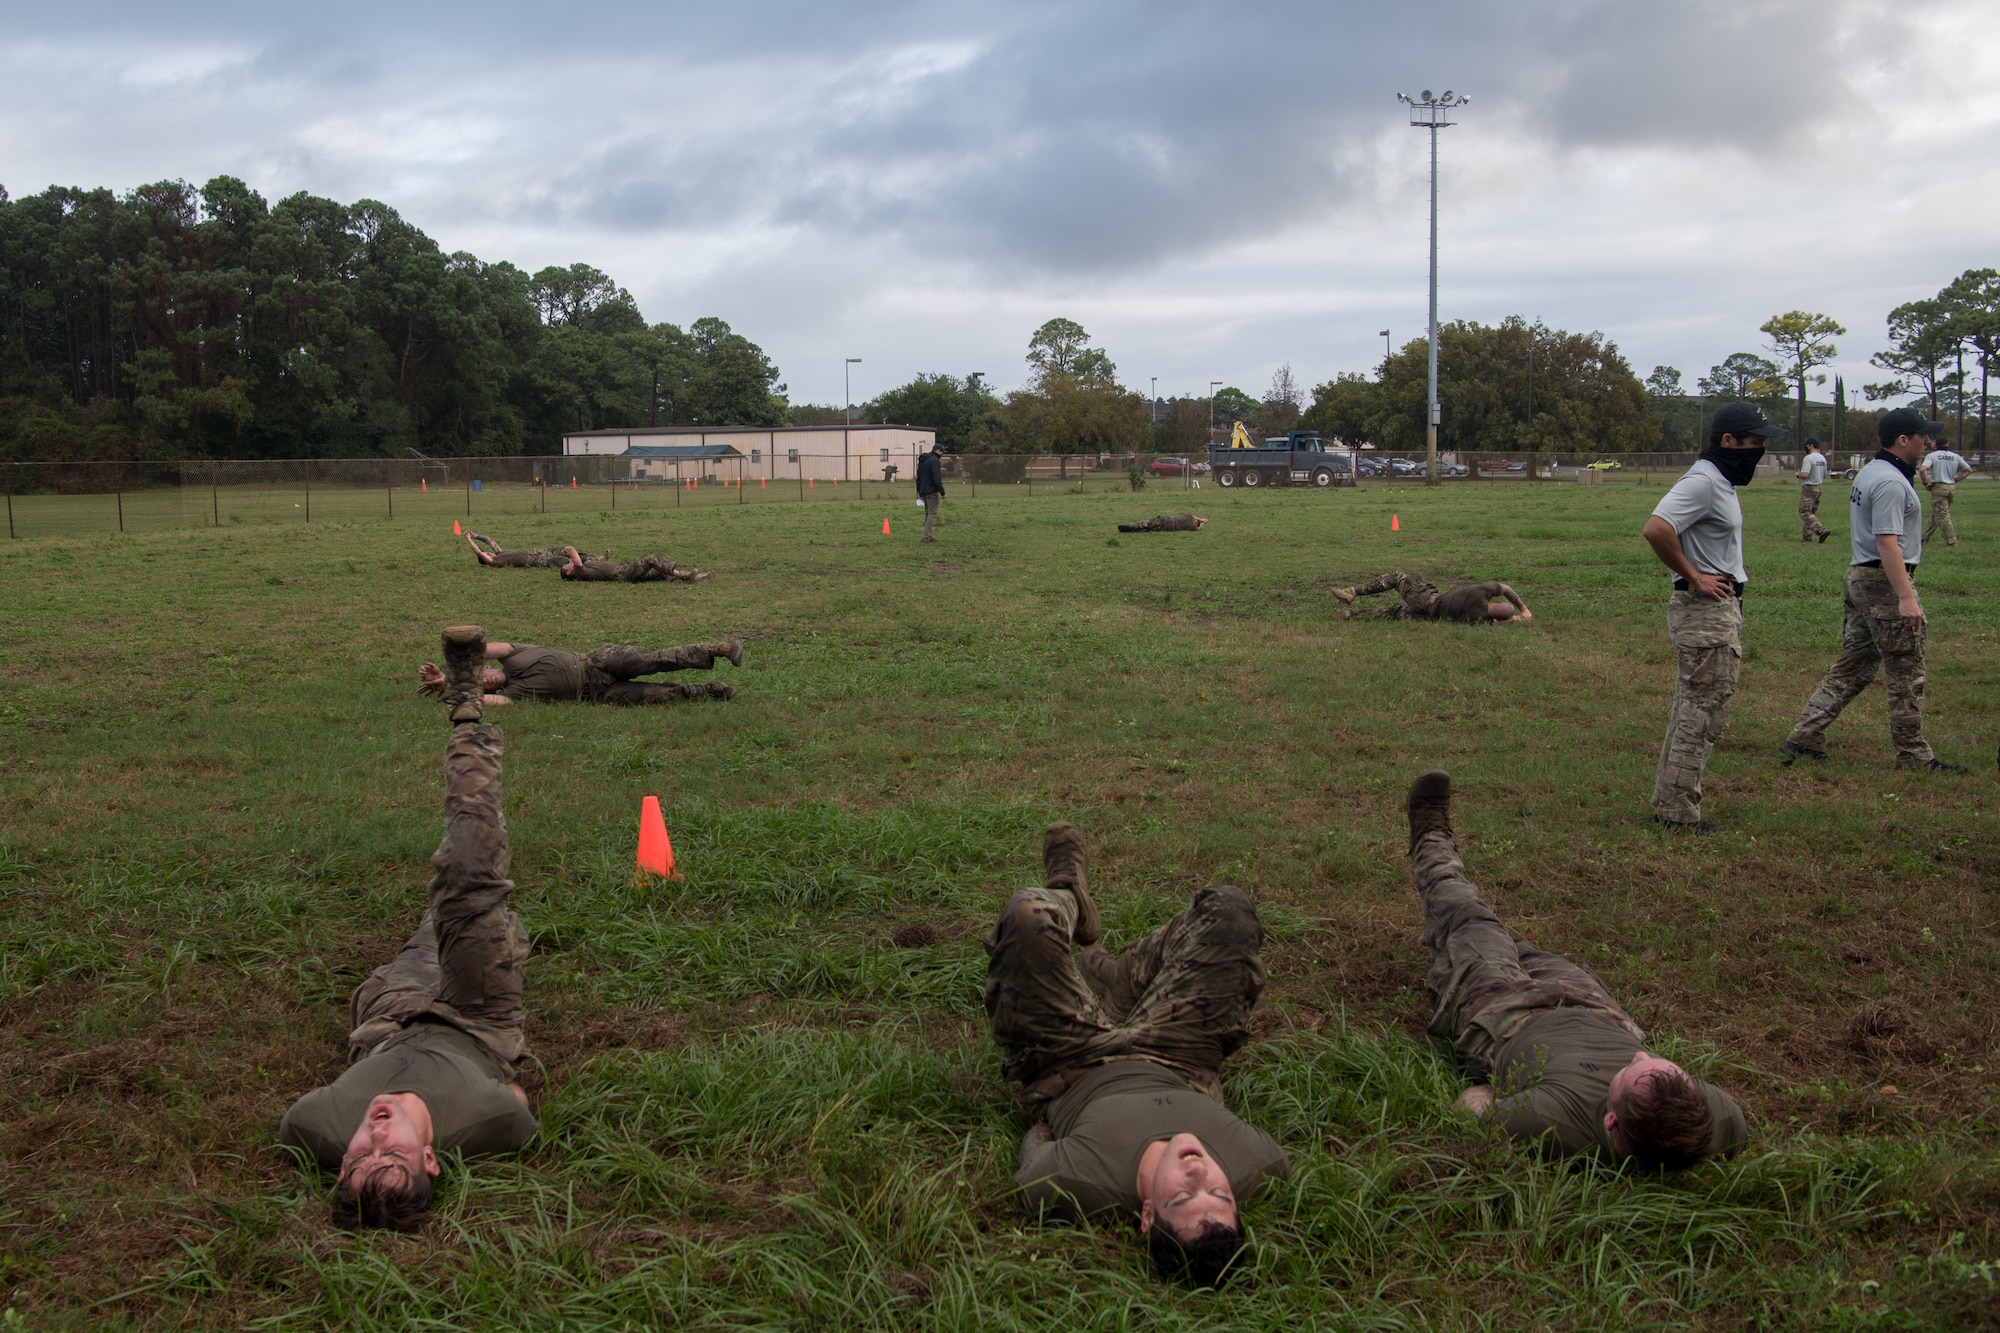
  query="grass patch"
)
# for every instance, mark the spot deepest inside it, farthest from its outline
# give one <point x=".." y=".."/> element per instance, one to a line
<point x="767" y="1093"/>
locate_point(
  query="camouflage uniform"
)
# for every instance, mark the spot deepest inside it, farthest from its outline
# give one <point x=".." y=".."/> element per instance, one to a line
<point x="463" y="965"/>
<point x="1941" y="493"/>
<point x="1163" y="523"/>
<point x="646" y="569"/>
<point x="1181" y="996"/>
<point x="534" y="557"/>
<point x="608" y="672"/>
<point x="1485" y="983"/>
<point x="1419" y="597"/>
<point x="1872" y="634"/>
<point x="1707" y="634"/>
<point x="1809" y="525"/>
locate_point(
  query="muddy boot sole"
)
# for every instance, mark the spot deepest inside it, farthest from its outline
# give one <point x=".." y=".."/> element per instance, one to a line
<point x="464" y="673"/>
<point x="1066" y="865"/>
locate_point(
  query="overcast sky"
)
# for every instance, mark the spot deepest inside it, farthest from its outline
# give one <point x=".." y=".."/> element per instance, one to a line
<point x="1210" y="189"/>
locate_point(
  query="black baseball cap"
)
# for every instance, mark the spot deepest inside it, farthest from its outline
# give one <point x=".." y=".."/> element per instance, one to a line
<point x="1741" y="419"/>
<point x="1812" y="439"/>
<point x="1904" y="421"/>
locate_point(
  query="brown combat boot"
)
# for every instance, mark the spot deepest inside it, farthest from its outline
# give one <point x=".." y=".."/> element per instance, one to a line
<point x="1066" y="865"/>
<point x="717" y="690"/>
<point x="733" y="650"/>
<point x="465" y="673"/>
<point x="1430" y="805"/>
<point x="1344" y="594"/>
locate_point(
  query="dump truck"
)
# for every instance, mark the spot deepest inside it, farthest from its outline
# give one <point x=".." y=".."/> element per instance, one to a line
<point x="1298" y="458"/>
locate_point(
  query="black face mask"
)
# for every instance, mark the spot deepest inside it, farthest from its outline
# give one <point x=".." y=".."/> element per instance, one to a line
<point x="1737" y="466"/>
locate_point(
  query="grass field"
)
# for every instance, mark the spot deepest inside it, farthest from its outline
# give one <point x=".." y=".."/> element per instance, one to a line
<point x="759" y="1111"/>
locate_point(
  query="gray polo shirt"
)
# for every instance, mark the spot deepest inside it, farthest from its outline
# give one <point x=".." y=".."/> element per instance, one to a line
<point x="1885" y="503"/>
<point x="1944" y="467"/>
<point x="1706" y="515"/>
<point x="1815" y="469"/>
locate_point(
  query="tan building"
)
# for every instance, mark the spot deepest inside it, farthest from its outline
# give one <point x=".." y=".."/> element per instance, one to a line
<point x="769" y="453"/>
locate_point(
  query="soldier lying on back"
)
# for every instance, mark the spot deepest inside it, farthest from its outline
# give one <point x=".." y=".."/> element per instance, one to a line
<point x="607" y="674"/>
<point x="1479" y="604"/>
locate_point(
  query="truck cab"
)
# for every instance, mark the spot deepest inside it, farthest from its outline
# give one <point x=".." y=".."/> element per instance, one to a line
<point x="1297" y="458"/>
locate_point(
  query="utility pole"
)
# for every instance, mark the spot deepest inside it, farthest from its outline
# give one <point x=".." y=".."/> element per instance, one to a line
<point x="1386" y="352"/>
<point x="1154" y="402"/>
<point x="1213" y="385"/>
<point x="1427" y="113"/>
<point x="846" y="412"/>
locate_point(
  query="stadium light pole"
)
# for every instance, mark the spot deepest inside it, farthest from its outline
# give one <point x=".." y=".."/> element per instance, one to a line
<point x="846" y="412"/>
<point x="1428" y="113"/>
<point x="1387" y="351"/>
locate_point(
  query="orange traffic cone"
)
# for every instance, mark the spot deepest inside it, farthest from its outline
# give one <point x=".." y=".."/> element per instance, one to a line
<point x="572" y="483"/>
<point x="885" y="527"/>
<point x="809" y="483"/>
<point x="656" y="850"/>
<point x="425" y="483"/>
<point x="454" y="529"/>
<point x="760" y="484"/>
<point x="1395" y="525"/>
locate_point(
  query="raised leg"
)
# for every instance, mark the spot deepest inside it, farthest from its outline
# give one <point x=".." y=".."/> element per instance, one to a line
<point x="1045" y="1018"/>
<point x="622" y="661"/>
<point x="480" y="943"/>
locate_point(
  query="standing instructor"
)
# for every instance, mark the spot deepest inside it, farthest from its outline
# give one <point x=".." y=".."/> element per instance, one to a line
<point x="1697" y="533"/>
<point x="1882" y="623"/>
<point x="1812" y="481"/>
<point x="930" y="486"/>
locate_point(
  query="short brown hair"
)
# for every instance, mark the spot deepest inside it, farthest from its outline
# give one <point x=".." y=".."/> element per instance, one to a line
<point x="391" y="1196"/>
<point x="1666" y="1123"/>
<point x="1204" y="1260"/>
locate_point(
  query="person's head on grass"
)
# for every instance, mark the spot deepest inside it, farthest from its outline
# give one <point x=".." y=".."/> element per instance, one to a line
<point x="1658" y="1116"/>
<point x="385" y="1176"/>
<point x="1187" y="1212"/>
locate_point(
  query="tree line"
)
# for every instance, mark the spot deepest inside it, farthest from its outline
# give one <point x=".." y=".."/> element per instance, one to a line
<point x="175" y="322"/>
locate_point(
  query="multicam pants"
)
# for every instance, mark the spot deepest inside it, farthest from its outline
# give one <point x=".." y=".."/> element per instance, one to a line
<point x="1809" y="525"/>
<point x="1163" y="523"/>
<point x="463" y="965"/>
<point x="646" y="569"/>
<point x="1708" y="640"/>
<point x="534" y="557"/>
<point x="1181" y="996"/>
<point x="1873" y="634"/>
<point x="1485" y="983"/>
<point x="609" y="670"/>
<point x="1419" y="597"/>
<point x="931" y="503"/>
<point x="1941" y="493"/>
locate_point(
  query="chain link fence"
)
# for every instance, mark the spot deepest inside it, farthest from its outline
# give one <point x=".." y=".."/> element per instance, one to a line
<point x="72" y="499"/>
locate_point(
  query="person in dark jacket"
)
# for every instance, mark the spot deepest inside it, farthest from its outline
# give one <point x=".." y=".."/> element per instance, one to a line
<point x="930" y="486"/>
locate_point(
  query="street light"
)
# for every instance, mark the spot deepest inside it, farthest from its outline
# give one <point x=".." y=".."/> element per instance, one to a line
<point x="1156" y="400"/>
<point x="846" y="413"/>
<point x="1427" y="113"/>
<point x="1387" y="351"/>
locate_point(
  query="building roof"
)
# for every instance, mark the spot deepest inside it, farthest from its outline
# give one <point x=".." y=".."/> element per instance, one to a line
<point x="684" y="452"/>
<point x="636" y="431"/>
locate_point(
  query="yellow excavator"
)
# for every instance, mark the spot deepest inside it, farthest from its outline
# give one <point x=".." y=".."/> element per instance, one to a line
<point x="1239" y="438"/>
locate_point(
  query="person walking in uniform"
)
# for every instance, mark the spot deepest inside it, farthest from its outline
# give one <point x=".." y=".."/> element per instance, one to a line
<point x="1941" y="470"/>
<point x="1559" y="1062"/>
<point x="1812" y="480"/>
<point x="1117" y="1060"/>
<point x="1882" y="622"/>
<point x="1697" y="532"/>
<point x="930" y="486"/>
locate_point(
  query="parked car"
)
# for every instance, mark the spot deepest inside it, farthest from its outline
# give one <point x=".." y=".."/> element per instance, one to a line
<point x="1501" y="465"/>
<point x="1373" y="467"/>
<point x="1408" y="467"/>
<point x="1176" y="467"/>
<point x="1603" y="465"/>
<point x="1449" y="469"/>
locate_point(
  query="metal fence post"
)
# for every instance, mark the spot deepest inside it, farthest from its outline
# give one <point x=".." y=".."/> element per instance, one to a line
<point x="545" y="492"/>
<point x="680" y="483"/>
<point x="389" y="485"/>
<point x="468" y="490"/>
<point x="11" y="534"/>
<point x="121" y="497"/>
<point x="214" y="493"/>
<point x="309" y="489"/>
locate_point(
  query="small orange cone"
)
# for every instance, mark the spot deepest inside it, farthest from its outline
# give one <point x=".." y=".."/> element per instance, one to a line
<point x="656" y="851"/>
<point x="425" y="483"/>
<point x="809" y="483"/>
<point x="454" y="529"/>
<point x="1395" y="524"/>
<point x="885" y="527"/>
<point x="572" y="483"/>
<point x="760" y="483"/>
